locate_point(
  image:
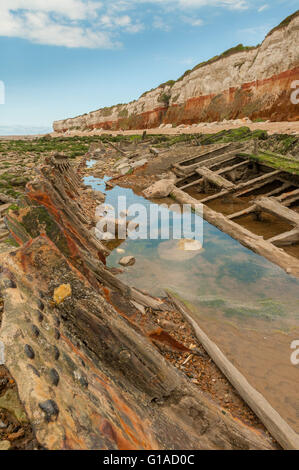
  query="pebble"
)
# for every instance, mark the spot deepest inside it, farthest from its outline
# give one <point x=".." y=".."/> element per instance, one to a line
<point x="54" y="376"/>
<point x="127" y="261"/>
<point x="50" y="409"/>
<point x="29" y="351"/>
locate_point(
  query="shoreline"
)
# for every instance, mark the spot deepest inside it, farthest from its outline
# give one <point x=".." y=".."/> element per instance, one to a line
<point x="283" y="127"/>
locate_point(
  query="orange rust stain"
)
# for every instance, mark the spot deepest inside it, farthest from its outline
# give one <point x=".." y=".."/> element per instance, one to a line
<point x="163" y="337"/>
<point x="199" y="106"/>
<point x="106" y="292"/>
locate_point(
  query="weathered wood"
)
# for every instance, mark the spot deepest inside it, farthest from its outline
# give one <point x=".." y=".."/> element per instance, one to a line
<point x="275" y="424"/>
<point x="116" y="148"/>
<point x="116" y="390"/>
<point x="128" y="292"/>
<point x="232" y="167"/>
<point x="203" y="156"/>
<point x="273" y="207"/>
<point x="194" y="183"/>
<point x="286" y="238"/>
<point x="278" y="190"/>
<point x="252" y="241"/>
<point x="215" y="161"/>
<point x="222" y="193"/>
<point x="214" y="178"/>
<point x="288" y="198"/>
<point x="242" y="213"/>
<point x="253" y="184"/>
<point x="256" y="183"/>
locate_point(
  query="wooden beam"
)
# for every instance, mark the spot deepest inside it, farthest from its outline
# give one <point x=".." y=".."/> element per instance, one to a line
<point x="278" y="190"/>
<point x="276" y="425"/>
<point x="247" y="238"/>
<point x="233" y="167"/>
<point x="194" y="183"/>
<point x="256" y="183"/>
<point x="242" y="213"/>
<point x="286" y="238"/>
<point x="214" y="178"/>
<point x="288" y="195"/>
<point x="273" y="207"/>
<point x="214" y="196"/>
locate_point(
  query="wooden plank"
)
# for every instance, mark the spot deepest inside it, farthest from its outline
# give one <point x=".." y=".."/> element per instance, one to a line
<point x="214" y="196"/>
<point x="278" y="190"/>
<point x="242" y="213"/>
<point x="194" y="183"/>
<point x="288" y="198"/>
<point x="247" y="238"/>
<point x="203" y="156"/>
<point x="273" y="207"/>
<point x="286" y="238"/>
<point x="232" y="167"/>
<point x="256" y="183"/>
<point x="214" y="178"/>
<point x="272" y="420"/>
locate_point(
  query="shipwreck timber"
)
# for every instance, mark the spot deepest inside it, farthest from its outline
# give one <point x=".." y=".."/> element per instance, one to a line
<point x="231" y="176"/>
<point x="88" y="371"/>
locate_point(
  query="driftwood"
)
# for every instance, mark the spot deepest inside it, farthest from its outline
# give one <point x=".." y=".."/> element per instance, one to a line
<point x="275" y="424"/>
<point x="244" y="236"/>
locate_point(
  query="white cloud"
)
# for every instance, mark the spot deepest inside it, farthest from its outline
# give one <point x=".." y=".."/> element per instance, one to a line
<point x="262" y="8"/>
<point x="193" y="21"/>
<point x="160" y="23"/>
<point x="93" y="23"/>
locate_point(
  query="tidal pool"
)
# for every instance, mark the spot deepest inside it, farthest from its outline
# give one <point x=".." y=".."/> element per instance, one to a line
<point x="246" y="304"/>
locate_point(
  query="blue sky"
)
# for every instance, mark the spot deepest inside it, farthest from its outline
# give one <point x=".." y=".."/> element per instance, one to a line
<point x="61" y="58"/>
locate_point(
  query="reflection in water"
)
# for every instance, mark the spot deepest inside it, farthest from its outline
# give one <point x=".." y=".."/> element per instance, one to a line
<point x="248" y="305"/>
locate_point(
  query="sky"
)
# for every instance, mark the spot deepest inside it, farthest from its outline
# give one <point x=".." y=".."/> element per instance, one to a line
<point x="62" y="58"/>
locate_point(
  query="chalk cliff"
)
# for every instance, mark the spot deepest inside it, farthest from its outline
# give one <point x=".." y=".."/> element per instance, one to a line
<point x="243" y="81"/>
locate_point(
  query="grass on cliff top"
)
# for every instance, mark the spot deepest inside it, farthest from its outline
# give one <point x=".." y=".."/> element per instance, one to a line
<point x="284" y="23"/>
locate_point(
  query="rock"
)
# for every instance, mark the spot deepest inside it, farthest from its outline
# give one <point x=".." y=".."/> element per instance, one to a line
<point x="99" y="196"/>
<point x="122" y="161"/>
<point x="159" y="189"/>
<point x="123" y="170"/>
<point x="5" y="445"/>
<point x="11" y="402"/>
<point x="127" y="261"/>
<point x="50" y="410"/>
<point x="61" y="293"/>
<point x="96" y="194"/>
<point x="2" y="425"/>
<point x="154" y="151"/>
<point x="139" y="163"/>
